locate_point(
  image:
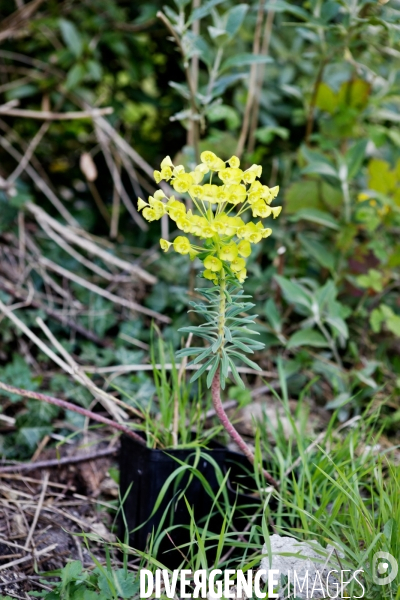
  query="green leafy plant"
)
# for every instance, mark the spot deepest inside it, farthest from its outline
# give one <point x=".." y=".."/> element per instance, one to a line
<point x="225" y="243"/>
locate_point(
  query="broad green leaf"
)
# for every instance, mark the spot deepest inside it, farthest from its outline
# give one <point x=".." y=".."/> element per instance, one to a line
<point x="307" y="337"/>
<point x="218" y="35"/>
<point x="339" y="401"/>
<point x="354" y="93"/>
<point x="294" y="293"/>
<point x="282" y="6"/>
<point x="311" y="193"/>
<point x="268" y="133"/>
<point x="381" y="177"/>
<point x="75" y="76"/>
<point x="321" y="168"/>
<point x="329" y="10"/>
<point x="376" y="319"/>
<point x="272" y="314"/>
<point x="182" y="3"/>
<point x="235" y="19"/>
<point x="225" y="112"/>
<point x="242" y="60"/>
<point x="22" y="91"/>
<point x="354" y="158"/>
<point x="372" y="280"/>
<point x="71" y="571"/>
<point x="316" y="216"/>
<point x="203" y="11"/>
<point x="71" y="37"/>
<point x="339" y="325"/>
<point x="326" y="99"/>
<point x="318" y="251"/>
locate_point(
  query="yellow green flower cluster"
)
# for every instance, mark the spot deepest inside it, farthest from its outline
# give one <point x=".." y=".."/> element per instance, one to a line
<point x="227" y="238"/>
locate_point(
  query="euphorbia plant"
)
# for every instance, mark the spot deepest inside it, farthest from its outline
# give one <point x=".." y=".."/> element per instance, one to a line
<point x="220" y="221"/>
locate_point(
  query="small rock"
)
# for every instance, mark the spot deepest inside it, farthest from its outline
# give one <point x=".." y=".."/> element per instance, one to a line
<point x="305" y="560"/>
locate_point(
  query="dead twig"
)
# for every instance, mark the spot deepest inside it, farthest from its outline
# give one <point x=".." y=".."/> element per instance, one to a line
<point x="58" y="462"/>
<point x="28" y="557"/>
<point x="45" y="115"/>
<point x="68" y="406"/>
<point x="38" y="509"/>
<point x="64" y="320"/>
<point x="100" y="292"/>
<point x="76" y="236"/>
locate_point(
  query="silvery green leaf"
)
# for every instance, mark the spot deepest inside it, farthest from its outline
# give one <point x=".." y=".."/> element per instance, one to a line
<point x="181" y="88"/>
<point x="71" y="37"/>
<point x="244" y="330"/>
<point x="202" y="369"/>
<point x="235" y="19"/>
<point x="235" y="373"/>
<point x="242" y="346"/>
<point x="207" y="352"/>
<point x="182" y="3"/>
<point x="217" y="343"/>
<point x="246" y="360"/>
<point x="228" y="334"/>
<point x="188" y="352"/>
<point x="218" y="35"/>
<point x="245" y="59"/>
<point x="252" y="343"/>
<point x="224" y="363"/>
<point x="203" y="11"/>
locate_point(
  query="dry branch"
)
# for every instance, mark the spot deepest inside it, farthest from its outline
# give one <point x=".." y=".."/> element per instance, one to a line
<point x="45" y="115"/>
<point x="68" y="406"/>
<point x="58" y="462"/>
<point x="75" y="236"/>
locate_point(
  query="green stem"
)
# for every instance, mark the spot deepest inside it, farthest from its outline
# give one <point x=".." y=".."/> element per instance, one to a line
<point x="222" y="301"/>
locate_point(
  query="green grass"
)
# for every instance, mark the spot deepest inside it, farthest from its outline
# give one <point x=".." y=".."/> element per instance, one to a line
<point x="343" y="490"/>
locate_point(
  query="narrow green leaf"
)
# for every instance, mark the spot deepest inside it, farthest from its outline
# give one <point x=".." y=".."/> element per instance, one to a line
<point x="244" y="359"/>
<point x="235" y="373"/>
<point x="202" y="369"/>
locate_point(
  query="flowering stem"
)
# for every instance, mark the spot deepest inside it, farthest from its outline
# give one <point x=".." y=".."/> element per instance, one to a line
<point x="235" y="436"/>
<point x="216" y="386"/>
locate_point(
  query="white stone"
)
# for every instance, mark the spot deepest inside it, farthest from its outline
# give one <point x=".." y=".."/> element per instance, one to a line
<point x="305" y="559"/>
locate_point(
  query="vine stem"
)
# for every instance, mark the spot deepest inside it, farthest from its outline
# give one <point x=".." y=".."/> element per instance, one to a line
<point x="235" y="435"/>
<point x="68" y="406"/>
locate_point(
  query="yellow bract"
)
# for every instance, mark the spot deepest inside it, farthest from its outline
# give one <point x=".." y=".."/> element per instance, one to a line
<point x="225" y="237"/>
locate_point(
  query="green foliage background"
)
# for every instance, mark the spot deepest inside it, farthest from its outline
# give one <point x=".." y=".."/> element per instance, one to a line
<point x="326" y="283"/>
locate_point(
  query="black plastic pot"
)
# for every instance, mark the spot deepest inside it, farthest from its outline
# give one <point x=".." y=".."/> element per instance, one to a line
<point x="144" y="472"/>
